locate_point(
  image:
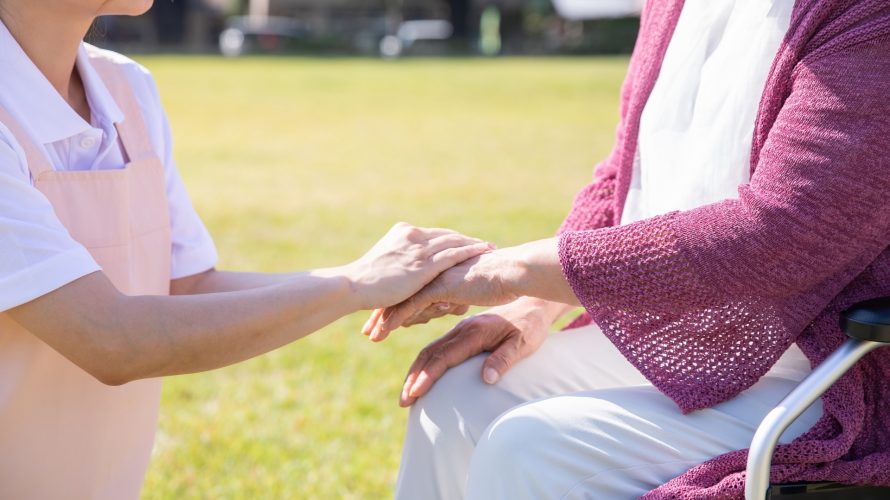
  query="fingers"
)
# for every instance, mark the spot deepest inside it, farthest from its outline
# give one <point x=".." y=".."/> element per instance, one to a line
<point x="439" y="243"/>
<point x="433" y="232"/>
<point x="450" y="257"/>
<point x="372" y="321"/>
<point x="438" y="235"/>
<point x="395" y="316"/>
<point x="433" y="361"/>
<point x="434" y="311"/>
<point x="445" y="248"/>
<point x="404" y="398"/>
<point x="422" y="306"/>
<point x="502" y="359"/>
<point x="421" y="233"/>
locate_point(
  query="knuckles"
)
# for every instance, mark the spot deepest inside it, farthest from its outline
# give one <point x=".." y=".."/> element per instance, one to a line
<point x="498" y="360"/>
<point x="405" y="230"/>
<point x="435" y="358"/>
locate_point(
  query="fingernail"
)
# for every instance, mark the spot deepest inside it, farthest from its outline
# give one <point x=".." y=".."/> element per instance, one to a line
<point x="443" y="307"/>
<point x="492" y="246"/>
<point x="490" y="376"/>
<point x="415" y="388"/>
<point x="404" y="394"/>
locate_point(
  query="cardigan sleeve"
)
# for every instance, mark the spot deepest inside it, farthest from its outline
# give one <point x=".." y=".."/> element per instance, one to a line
<point x="593" y="208"/>
<point x="703" y="302"/>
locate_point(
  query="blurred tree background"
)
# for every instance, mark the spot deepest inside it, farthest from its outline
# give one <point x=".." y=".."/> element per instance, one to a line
<point x="357" y="26"/>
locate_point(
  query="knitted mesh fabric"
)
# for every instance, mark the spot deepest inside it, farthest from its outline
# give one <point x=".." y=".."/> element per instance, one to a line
<point x="703" y="302"/>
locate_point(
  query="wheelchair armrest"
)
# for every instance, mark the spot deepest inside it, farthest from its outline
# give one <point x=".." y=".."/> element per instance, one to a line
<point x="868" y="326"/>
<point x="766" y="438"/>
<point x="869" y="320"/>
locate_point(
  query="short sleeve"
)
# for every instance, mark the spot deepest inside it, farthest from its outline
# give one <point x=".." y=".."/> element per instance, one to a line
<point x="37" y="255"/>
<point x="193" y="249"/>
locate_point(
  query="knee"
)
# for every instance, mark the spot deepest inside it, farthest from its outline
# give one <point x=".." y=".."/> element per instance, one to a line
<point x="448" y="409"/>
<point x="548" y="447"/>
<point x="516" y="443"/>
<point x="556" y="431"/>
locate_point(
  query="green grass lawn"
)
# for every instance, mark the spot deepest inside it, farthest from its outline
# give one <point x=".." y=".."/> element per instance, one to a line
<point x="301" y="163"/>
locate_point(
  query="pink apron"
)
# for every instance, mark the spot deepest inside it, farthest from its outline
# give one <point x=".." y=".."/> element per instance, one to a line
<point x="64" y="435"/>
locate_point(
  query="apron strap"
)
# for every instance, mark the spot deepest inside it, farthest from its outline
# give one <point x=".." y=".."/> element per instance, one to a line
<point x="132" y="130"/>
<point x="34" y="156"/>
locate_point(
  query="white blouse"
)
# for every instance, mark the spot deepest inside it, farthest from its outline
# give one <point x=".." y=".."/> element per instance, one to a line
<point x="37" y="255"/>
<point x="697" y="126"/>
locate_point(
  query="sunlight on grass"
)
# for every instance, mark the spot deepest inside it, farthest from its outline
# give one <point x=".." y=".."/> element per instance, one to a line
<point x="301" y="163"/>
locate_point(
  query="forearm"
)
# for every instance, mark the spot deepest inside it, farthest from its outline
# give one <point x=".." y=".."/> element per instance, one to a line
<point x="538" y="273"/>
<point x="214" y="281"/>
<point x="118" y="338"/>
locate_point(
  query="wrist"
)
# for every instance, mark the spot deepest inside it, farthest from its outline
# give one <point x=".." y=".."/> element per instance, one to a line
<point x="512" y="278"/>
<point x="347" y="286"/>
<point x="533" y="264"/>
<point x="548" y="310"/>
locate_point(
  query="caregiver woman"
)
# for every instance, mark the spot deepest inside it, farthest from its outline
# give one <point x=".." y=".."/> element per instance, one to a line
<point x="95" y="231"/>
<point x="746" y="203"/>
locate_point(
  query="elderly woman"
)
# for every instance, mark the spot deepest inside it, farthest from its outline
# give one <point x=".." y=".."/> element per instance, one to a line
<point x="746" y="203"/>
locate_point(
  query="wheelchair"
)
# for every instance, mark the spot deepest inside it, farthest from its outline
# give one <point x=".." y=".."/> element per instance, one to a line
<point x="867" y="324"/>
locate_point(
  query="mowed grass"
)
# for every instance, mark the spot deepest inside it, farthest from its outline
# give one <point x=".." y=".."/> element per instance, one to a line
<point x="303" y="163"/>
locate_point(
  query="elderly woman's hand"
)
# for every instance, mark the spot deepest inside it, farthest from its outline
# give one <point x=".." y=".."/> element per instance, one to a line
<point x="406" y="259"/>
<point x="491" y="279"/>
<point x="485" y="280"/>
<point x="509" y="332"/>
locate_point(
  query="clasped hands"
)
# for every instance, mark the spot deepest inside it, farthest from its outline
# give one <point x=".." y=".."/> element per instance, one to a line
<point x="524" y="282"/>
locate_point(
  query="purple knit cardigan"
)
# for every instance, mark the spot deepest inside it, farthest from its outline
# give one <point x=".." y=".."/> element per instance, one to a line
<point x="703" y="302"/>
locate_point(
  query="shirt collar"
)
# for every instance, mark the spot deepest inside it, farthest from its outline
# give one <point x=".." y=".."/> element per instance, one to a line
<point x="31" y="99"/>
<point x="105" y="110"/>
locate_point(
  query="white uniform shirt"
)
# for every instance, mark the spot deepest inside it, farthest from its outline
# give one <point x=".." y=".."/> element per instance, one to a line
<point x="697" y="126"/>
<point x="37" y="255"/>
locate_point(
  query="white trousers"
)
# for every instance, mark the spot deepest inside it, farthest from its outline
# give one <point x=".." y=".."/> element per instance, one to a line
<point x="575" y="420"/>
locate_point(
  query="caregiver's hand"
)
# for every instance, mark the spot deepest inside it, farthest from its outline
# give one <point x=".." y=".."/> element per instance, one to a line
<point x="218" y="318"/>
<point x="491" y="279"/>
<point x="406" y="259"/>
<point x="509" y="332"/>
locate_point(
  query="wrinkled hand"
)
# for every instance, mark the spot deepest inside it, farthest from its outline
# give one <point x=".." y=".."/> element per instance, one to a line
<point x="485" y="280"/>
<point x="406" y="259"/>
<point x="434" y="311"/>
<point x="529" y="270"/>
<point x="510" y="333"/>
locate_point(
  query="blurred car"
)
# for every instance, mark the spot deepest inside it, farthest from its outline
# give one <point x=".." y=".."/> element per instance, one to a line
<point x="600" y="9"/>
<point x="246" y="34"/>
<point x="412" y="32"/>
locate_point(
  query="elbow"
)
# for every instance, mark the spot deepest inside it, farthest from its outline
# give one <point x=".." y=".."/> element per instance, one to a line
<point x="112" y="378"/>
<point x="111" y="373"/>
<point x="113" y="363"/>
<point x="110" y="381"/>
